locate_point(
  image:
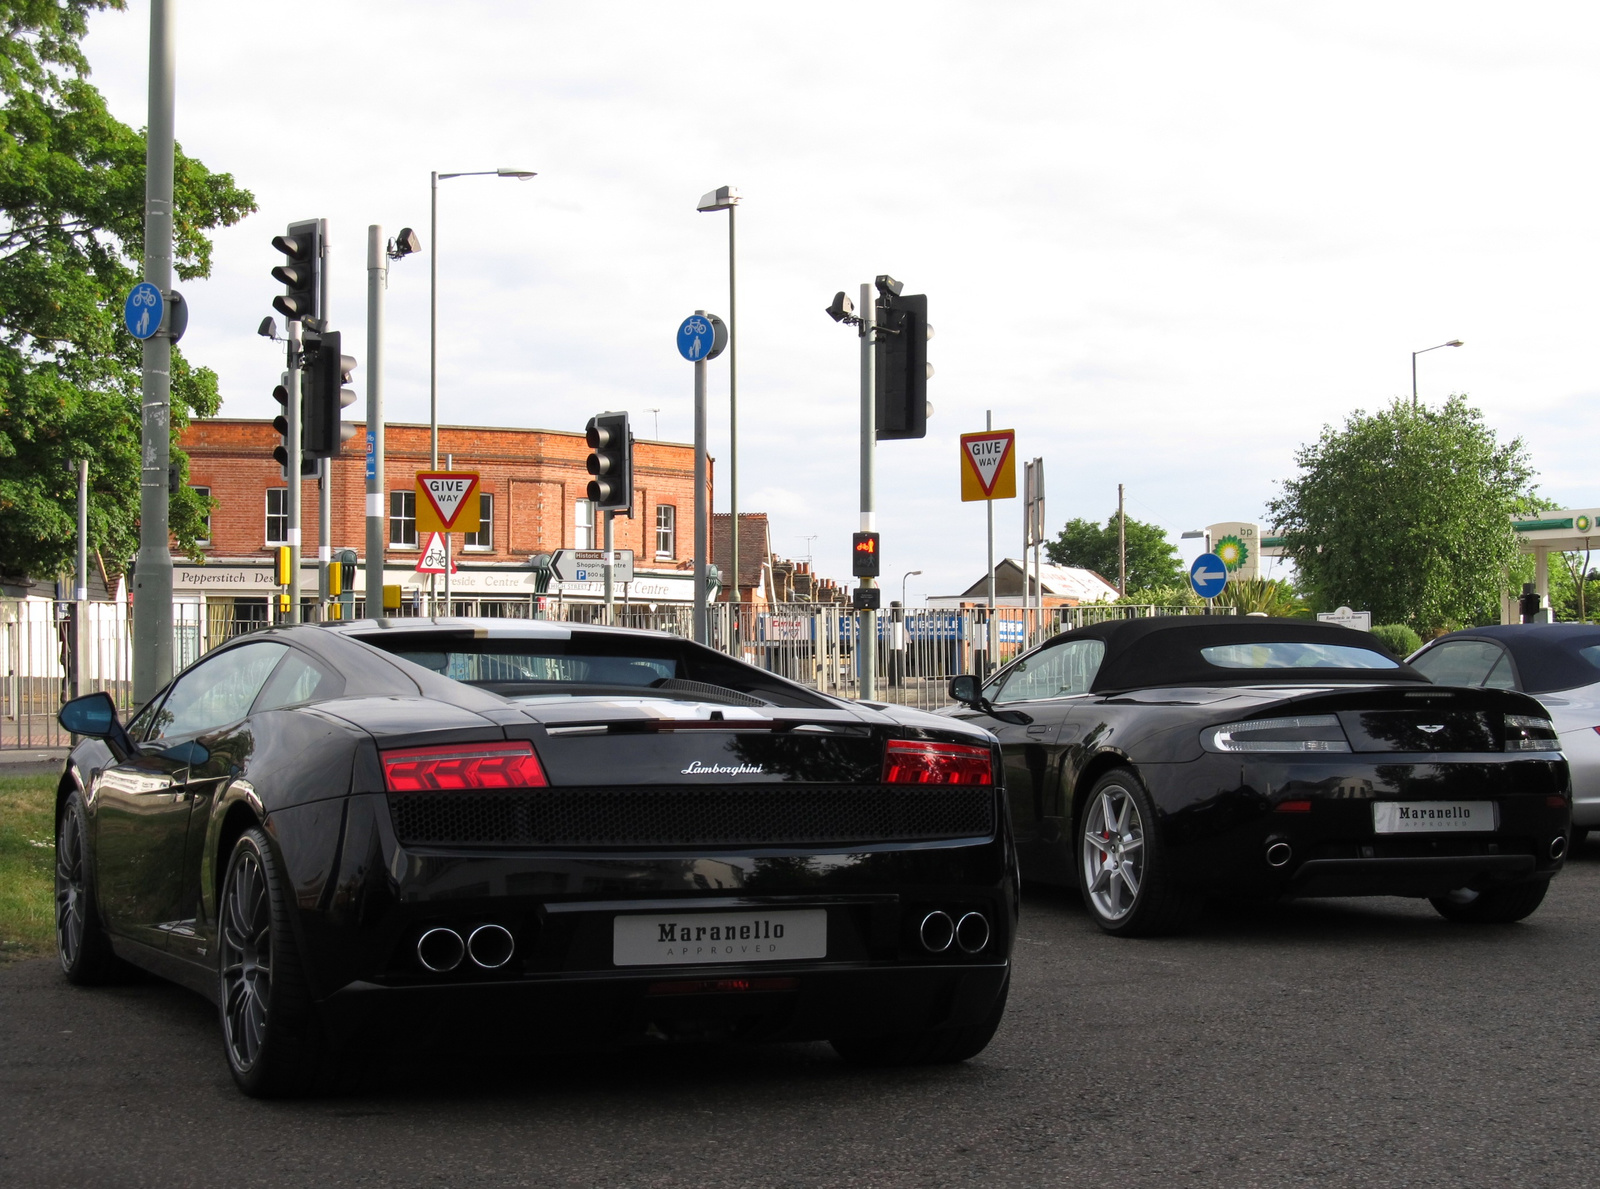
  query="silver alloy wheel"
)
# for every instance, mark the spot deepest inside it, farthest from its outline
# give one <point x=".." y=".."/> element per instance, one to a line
<point x="246" y="953"/>
<point x="1113" y="852"/>
<point x="69" y="889"/>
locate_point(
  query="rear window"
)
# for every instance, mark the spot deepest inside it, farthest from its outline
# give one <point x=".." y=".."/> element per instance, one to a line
<point x="1294" y="654"/>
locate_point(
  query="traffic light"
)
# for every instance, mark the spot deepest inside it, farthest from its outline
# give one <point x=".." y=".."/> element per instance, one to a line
<point x="864" y="562"/>
<point x="301" y="273"/>
<point x="308" y="466"/>
<point x="326" y="374"/>
<point x="900" y="356"/>
<point x="610" y="462"/>
<point x="281" y="569"/>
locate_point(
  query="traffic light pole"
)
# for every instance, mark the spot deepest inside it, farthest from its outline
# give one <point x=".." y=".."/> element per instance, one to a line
<point x="867" y="634"/>
<point x="152" y="581"/>
<point x="291" y="415"/>
<point x="610" y="568"/>
<point x="377" y="285"/>
<point x="702" y="511"/>
<point x="324" y="465"/>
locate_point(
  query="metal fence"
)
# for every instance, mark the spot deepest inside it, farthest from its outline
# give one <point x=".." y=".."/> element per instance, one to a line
<point x="920" y="649"/>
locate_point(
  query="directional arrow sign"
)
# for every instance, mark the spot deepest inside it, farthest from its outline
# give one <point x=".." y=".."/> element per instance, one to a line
<point x="588" y="565"/>
<point x="988" y="465"/>
<point x="447" y="502"/>
<point x="1208" y="575"/>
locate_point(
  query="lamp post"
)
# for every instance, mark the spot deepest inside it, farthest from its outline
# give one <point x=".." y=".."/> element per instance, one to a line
<point x="1424" y="351"/>
<point x="908" y="574"/>
<point x="726" y="198"/>
<point x="522" y="175"/>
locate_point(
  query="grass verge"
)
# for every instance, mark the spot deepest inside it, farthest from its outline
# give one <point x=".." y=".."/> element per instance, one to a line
<point x="27" y="867"/>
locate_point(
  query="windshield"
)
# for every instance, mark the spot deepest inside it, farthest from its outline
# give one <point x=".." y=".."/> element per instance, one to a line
<point x="525" y="665"/>
<point x="1294" y="654"/>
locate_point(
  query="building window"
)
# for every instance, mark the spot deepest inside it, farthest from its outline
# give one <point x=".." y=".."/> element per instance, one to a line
<point x="205" y="520"/>
<point x="583" y="524"/>
<point x="484" y="538"/>
<point x="277" y="516"/>
<point x="403" y="519"/>
<point x="666" y="530"/>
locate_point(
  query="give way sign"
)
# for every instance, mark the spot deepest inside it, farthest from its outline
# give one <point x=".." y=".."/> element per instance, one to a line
<point x="989" y="465"/>
<point x="447" y="501"/>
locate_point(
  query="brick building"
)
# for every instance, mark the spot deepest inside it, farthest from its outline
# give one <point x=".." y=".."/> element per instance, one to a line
<point x="533" y="485"/>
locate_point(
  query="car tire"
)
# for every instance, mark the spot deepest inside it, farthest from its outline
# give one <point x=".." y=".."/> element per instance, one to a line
<point x="1580" y="835"/>
<point x="270" y="1030"/>
<point x="1496" y="906"/>
<point x="935" y="1046"/>
<point x="82" y="945"/>
<point x="1122" y="865"/>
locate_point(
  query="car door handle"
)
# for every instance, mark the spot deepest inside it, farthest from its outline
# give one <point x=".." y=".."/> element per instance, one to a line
<point x="1040" y="729"/>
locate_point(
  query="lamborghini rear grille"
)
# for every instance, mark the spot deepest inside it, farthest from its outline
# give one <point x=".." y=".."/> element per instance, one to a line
<point x="748" y="815"/>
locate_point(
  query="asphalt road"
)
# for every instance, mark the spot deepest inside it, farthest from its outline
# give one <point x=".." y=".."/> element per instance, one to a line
<point x="1341" y="1042"/>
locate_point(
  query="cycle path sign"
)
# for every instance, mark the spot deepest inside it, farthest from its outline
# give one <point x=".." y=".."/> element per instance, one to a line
<point x="141" y="312"/>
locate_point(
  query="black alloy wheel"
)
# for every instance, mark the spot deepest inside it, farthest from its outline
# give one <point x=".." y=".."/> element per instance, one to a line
<point x="81" y="942"/>
<point x="1122" y="864"/>
<point x="1495" y="906"/>
<point x="273" y="1038"/>
<point x="933" y="1046"/>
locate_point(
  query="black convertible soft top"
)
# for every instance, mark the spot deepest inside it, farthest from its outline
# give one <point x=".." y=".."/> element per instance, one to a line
<point x="1165" y="651"/>
<point x="1547" y="655"/>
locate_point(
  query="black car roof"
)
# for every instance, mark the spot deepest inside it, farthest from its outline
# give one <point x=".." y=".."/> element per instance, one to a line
<point x="1165" y="650"/>
<point x="1546" y="654"/>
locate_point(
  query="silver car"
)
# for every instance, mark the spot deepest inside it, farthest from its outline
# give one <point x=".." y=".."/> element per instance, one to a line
<point x="1558" y="663"/>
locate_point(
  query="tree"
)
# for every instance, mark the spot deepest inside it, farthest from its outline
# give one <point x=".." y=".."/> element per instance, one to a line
<point x="1152" y="559"/>
<point x="71" y="245"/>
<point x="1406" y="513"/>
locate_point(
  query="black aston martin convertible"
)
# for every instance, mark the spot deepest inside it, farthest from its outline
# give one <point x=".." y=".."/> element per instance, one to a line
<point x="527" y="835"/>
<point x="1154" y="760"/>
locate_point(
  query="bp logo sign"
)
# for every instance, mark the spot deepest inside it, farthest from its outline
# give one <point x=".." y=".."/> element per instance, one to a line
<point x="1583" y="523"/>
<point x="1232" y="551"/>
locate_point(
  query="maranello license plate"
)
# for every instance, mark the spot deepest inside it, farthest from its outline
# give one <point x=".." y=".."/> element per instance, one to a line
<point x="1432" y="817"/>
<point x="685" y="939"/>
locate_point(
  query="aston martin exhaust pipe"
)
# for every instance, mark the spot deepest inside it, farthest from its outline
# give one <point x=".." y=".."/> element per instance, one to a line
<point x="937" y="932"/>
<point x="972" y="932"/>
<point x="1558" y="847"/>
<point x="440" y="949"/>
<point x="1279" y="853"/>
<point x="491" y="946"/>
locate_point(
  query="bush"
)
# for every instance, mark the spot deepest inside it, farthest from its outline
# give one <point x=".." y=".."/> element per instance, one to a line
<point x="1397" y="638"/>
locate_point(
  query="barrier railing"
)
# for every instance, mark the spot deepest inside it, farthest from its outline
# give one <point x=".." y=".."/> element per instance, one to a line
<point x="920" y="649"/>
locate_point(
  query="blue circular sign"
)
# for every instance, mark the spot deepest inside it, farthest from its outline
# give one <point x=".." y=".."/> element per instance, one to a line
<point x="1208" y="575"/>
<point x="141" y="313"/>
<point x="695" y="338"/>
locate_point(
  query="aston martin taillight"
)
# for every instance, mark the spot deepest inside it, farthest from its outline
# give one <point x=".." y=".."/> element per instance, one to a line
<point x="450" y="766"/>
<point x="908" y="762"/>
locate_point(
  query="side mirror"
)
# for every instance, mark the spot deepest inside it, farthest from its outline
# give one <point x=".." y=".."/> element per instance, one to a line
<point x="94" y="715"/>
<point x="964" y="689"/>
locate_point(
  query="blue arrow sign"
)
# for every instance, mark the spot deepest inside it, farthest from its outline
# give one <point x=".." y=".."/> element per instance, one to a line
<point x="695" y="338"/>
<point x="141" y="313"/>
<point x="1208" y="575"/>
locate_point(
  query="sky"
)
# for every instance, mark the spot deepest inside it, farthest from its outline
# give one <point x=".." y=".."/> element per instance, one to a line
<point x="1167" y="243"/>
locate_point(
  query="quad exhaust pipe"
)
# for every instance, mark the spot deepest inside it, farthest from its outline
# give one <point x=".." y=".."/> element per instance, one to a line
<point x="442" y="949"/>
<point x="1279" y="854"/>
<point x="1558" y="846"/>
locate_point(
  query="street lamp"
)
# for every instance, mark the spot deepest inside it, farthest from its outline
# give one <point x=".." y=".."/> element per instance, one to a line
<point x="909" y="574"/>
<point x="522" y="175"/>
<point x="1424" y="351"/>
<point x="726" y="198"/>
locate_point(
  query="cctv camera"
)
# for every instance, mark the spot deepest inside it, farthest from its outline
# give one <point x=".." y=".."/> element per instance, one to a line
<point x="841" y="308"/>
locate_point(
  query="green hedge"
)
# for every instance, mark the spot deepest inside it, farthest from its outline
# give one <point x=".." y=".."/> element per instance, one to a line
<point x="1397" y="638"/>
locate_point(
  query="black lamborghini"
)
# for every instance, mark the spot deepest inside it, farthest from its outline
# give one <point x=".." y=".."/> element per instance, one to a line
<point x="1151" y="761"/>
<point x="529" y="835"/>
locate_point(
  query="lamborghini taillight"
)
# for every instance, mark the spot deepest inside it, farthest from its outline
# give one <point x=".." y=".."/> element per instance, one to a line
<point x="450" y="766"/>
<point x="909" y="762"/>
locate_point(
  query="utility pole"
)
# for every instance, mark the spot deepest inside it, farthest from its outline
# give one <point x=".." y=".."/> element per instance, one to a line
<point x="610" y="568"/>
<point x="291" y="415"/>
<point x="702" y="509"/>
<point x="152" y="583"/>
<point x="377" y="285"/>
<point x="867" y="632"/>
<point x="1122" y="548"/>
